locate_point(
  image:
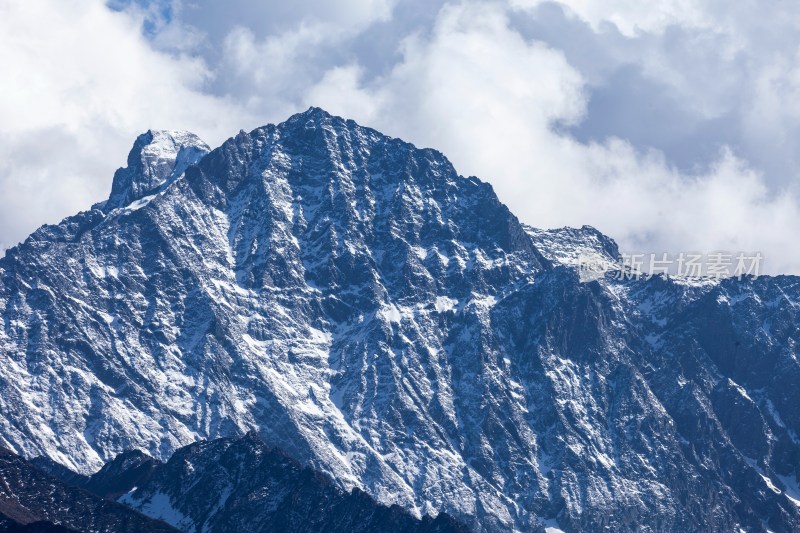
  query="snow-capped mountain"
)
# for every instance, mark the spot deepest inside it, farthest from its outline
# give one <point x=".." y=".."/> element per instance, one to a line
<point x="356" y="302"/>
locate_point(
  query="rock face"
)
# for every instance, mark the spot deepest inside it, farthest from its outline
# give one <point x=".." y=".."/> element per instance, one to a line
<point x="12" y="526"/>
<point x="119" y="476"/>
<point x="34" y="501"/>
<point x="356" y="302"/>
<point x="243" y="485"/>
<point x="157" y="158"/>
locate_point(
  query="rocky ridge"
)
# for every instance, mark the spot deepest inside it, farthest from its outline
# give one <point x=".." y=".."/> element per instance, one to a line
<point x="353" y="300"/>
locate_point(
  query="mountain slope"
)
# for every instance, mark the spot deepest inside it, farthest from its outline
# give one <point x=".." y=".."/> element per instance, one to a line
<point x="31" y="500"/>
<point x="355" y="301"/>
<point x="243" y="485"/>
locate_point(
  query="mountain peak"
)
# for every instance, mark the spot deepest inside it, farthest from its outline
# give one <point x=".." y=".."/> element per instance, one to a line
<point x="313" y="113"/>
<point x="311" y="119"/>
<point x="567" y="246"/>
<point x="157" y="157"/>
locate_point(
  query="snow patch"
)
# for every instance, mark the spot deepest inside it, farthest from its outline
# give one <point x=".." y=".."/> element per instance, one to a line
<point x="445" y="303"/>
<point x="792" y="489"/>
<point x="392" y="313"/>
<point x="138" y="204"/>
<point x="739" y="389"/>
<point x="551" y="526"/>
<point x="158" y="506"/>
<point x="770" y="484"/>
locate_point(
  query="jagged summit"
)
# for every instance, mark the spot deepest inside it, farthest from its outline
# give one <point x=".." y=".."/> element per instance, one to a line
<point x="157" y="157"/>
<point x="567" y="246"/>
<point x="312" y="113"/>
<point x="355" y="301"/>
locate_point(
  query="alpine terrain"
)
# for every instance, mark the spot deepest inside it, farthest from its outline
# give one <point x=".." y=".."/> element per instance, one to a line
<point x="351" y="300"/>
<point x="33" y="501"/>
<point x="239" y="484"/>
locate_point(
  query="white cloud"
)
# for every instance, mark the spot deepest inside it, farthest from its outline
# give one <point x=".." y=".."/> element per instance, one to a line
<point x="340" y="89"/>
<point x="712" y="73"/>
<point x="272" y="17"/>
<point x="669" y="126"/>
<point x="630" y="17"/>
<point x="79" y="83"/>
<point x="269" y="73"/>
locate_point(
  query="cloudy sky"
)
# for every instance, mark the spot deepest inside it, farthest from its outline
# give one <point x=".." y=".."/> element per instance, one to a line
<point x="670" y="125"/>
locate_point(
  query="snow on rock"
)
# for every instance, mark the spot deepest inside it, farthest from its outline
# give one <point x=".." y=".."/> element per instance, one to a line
<point x="157" y="157"/>
<point x="359" y="304"/>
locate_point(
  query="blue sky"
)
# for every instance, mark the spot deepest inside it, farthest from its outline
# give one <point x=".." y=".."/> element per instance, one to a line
<point x="672" y="126"/>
